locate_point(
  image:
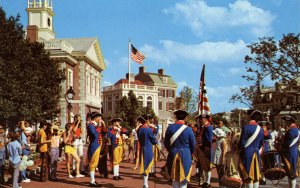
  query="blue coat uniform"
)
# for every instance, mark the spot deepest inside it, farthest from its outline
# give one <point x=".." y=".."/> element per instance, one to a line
<point x="146" y="140"/>
<point x="290" y="153"/>
<point x="249" y="156"/>
<point x="94" y="146"/>
<point x="179" y="161"/>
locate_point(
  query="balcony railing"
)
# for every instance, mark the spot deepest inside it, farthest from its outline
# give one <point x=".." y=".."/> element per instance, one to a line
<point x="132" y="86"/>
<point x="58" y="45"/>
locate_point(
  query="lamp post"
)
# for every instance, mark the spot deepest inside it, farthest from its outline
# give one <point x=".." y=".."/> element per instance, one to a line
<point x="69" y="96"/>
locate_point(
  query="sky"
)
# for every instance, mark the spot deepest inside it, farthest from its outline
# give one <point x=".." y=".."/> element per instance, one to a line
<point x="178" y="36"/>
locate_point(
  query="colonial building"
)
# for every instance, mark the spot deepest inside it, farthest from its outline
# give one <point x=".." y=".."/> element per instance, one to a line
<point x="277" y="101"/>
<point x="156" y="90"/>
<point x="80" y="58"/>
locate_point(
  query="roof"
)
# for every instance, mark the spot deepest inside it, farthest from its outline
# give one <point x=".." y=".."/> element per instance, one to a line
<point x="125" y="81"/>
<point x="88" y="48"/>
<point x="156" y="79"/>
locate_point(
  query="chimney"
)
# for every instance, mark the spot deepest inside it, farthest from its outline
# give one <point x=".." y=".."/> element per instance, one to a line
<point x="161" y="71"/>
<point x="142" y="70"/>
<point x="32" y="33"/>
<point x="132" y="76"/>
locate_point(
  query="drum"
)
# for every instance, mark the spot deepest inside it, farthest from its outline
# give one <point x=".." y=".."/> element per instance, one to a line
<point x="272" y="166"/>
<point x="231" y="176"/>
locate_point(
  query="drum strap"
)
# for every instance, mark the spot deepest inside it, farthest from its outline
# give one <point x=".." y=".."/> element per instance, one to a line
<point x="295" y="140"/>
<point x="252" y="138"/>
<point x="177" y="133"/>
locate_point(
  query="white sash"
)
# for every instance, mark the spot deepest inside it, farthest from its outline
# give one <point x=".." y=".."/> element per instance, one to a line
<point x="295" y="140"/>
<point x="177" y="133"/>
<point x="252" y="138"/>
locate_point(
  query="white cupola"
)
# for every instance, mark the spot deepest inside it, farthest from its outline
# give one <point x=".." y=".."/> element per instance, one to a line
<point x="40" y="14"/>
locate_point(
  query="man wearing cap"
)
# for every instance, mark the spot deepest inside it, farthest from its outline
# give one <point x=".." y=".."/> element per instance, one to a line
<point x="117" y="145"/>
<point x="252" y="138"/>
<point x="146" y="140"/>
<point x="180" y="143"/>
<point x="94" y="146"/>
<point x="289" y="150"/>
<point x="205" y="149"/>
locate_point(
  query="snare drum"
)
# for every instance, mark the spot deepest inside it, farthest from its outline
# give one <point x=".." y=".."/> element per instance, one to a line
<point x="232" y="176"/>
<point x="272" y="166"/>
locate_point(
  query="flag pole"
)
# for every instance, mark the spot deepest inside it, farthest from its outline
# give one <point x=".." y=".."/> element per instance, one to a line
<point x="129" y="48"/>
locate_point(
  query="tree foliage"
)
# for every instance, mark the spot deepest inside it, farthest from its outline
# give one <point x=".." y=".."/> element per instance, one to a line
<point x="129" y="110"/>
<point x="29" y="79"/>
<point x="190" y="99"/>
<point x="277" y="61"/>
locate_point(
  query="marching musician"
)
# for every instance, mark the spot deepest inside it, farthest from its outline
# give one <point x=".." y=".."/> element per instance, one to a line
<point x="146" y="141"/>
<point x="117" y="142"/>
<point x="205" y="150"/>
<point x="252" y="137"/>
<point x="180" y="143"/>
<point x="102" y="137"/>
<point x="289" y="150"/>
<point x="155" y="149"/>
<point x="94" y="147"/>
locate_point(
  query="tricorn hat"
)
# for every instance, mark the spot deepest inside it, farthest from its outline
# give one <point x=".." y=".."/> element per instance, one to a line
<point x="181" y="113"/>
<point x="255" y="115"/>
<point x="142" y="119"/>
<point x="95" y="114"/>
<point x="116" y="120"/>
<point x="289" y="118"/>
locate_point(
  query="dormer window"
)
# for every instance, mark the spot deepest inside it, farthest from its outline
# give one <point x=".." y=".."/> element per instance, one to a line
<point x="165" y="79"/>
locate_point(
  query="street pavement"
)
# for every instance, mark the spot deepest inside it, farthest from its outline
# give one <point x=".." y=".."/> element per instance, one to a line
<point x="132" y="179"/>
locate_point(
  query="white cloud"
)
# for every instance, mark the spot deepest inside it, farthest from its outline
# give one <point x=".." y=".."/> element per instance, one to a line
<point x="106" y="83"/>
<point x="202" y="18"/>
<point x="215" y="52"/>
<point x="233" y="71"/>
<point x="107" y="62"/>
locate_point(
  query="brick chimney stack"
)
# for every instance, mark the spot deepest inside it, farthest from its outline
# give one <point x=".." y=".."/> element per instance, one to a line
<point x="32" y="33"/>
<point x="161" y="71"/>
<point x="142" y="70"/>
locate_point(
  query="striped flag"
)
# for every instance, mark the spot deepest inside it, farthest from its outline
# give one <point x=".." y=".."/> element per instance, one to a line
<point x="136" y="55"/>
<point x="203" y="105"/>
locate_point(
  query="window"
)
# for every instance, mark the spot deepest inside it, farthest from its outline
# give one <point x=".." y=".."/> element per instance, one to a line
<point x="140" y="99"/>
<point x="160" y="105"/>
<point x="88" y="85"/>
<point x="149" y="102"/>
<point x="97" y="87"/>
<point x="170" y="106"/>
<point x="165" y="79"/>
<point x="70" y="78"/>
<point x="161" y="93"/>
<point x="93" y="86"/>
<point x="109" y="106"/>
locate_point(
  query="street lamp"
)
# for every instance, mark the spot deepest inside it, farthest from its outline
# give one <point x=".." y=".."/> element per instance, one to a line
<point x="69" y="96"/>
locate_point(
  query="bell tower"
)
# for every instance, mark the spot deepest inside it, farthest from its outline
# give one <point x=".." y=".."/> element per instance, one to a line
<point x="40" y="16"/>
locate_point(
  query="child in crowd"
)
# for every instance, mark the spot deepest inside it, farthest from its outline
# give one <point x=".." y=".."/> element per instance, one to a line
<point x="14" y="151"/>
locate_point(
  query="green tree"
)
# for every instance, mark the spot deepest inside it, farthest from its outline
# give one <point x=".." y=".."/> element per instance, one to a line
<point x="278" y="61"/>
<point x="219" y="117"/>
<point x="29" y="79"/>
<point x="129" y="110"/>
<point x="190" y="99"/>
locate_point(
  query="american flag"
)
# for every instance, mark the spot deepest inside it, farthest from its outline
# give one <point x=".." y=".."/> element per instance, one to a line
<point x="136" y="55"/>
<point x="203" y="105"/>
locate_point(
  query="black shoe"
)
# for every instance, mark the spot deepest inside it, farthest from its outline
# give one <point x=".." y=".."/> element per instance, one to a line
<point x="206" y="185"/>
<point x="152" y="175"/>
<point x="262" y="182"/>
<point x="83" y="173"/>
<point x="120" y="178"/>
<point x="73" y="173"/>
<point x="95" y="184"/>
<point x="115" y="178"/>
